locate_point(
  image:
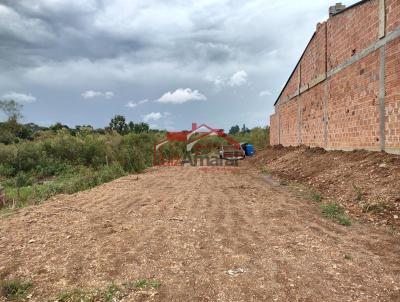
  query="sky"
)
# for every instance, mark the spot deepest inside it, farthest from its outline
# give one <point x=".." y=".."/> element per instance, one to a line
<point x="165" y="62"/>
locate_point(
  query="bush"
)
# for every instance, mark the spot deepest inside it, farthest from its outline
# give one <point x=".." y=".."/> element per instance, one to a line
<point x="333" y="211"/>
<point x="258" y="136"/>
<point x="14" y="289"/>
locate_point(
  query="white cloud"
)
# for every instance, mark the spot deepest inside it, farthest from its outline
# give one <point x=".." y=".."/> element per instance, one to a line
<point x="19" y="97"/>
<point x="238" y="79"/>
<point x="133" y="104"/>
<point x="181" y="96"/>
<point x="265" y="93"/>
<point x="219" y="83"/>
<point x="90" y="94"/>
<point x="108" y="94"/>
<point x="19" y="27"/>
<point x="153" y="116"/>
<point x="143" y="102"/>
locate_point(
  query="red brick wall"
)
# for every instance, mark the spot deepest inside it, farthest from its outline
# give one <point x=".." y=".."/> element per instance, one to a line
<point x="312" y="123"/>
<point x="392" y="15"/>
<point x="392" y="100"/>
<point x="273" y="133"/>
<point x="313" y="61"/>
<point x="292" y="86"/>
<point x="353" y="107"/>
<point x="288" y="125"/>
<point x="349" y="94"/>
<point x="351" y="32"/>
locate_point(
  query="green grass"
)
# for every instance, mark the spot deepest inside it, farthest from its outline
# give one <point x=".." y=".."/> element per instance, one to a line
<point x="77" y="180"/>
<point x="111" y="293"/>
<point x="315" y="196"/>
<point x="15" y="289"/>
<point x="144" y="283"/>
<point x="336" y="213"/>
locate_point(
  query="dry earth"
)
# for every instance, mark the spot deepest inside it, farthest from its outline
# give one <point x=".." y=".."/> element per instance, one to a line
<point x="366" y="183"/>
<point x="187" y="227"/>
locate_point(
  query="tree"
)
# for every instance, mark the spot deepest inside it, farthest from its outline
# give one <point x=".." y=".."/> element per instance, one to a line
<point x="58" y="126"/>
<point x="118" y="124"/>
<point x="138" y="128"/>
<point x="12" y="109"/>
<point x="245" y="129"/>
<point x="234" y="130"/>
<point x="10" y="131"/>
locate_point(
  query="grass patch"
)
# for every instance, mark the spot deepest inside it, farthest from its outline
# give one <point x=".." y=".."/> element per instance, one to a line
<point x="14" y="289"/>
<point x="76" y="180"/>
<point x="335" y="212"/>
<point x="112" y="293"/>
<point x="144" y="283"/>
<point x="315" y="196"/>
<point x="375" y="207"/>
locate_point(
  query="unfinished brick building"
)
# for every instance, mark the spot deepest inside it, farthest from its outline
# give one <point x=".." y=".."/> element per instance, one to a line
<point x="344" y="92"/>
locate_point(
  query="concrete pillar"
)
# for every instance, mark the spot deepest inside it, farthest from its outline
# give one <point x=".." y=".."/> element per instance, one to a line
<point x="298" y="106"/>
<point x="325" y="108"/>
<point x="382" y="94"/>
<point x="382" y="19"/>
<point x="279" y="128"/>
<point x="299" y="120"/>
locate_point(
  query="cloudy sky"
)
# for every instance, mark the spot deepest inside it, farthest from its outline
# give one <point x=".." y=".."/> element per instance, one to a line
<point x="166" y="62"/>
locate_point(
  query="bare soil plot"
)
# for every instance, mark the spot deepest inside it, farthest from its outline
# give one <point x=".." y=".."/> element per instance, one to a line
<point x="366" y="183"/>
<point x="204" y="235"/>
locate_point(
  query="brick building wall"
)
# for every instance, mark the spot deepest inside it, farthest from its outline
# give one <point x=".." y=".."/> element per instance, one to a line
<point x="344" y="93"/>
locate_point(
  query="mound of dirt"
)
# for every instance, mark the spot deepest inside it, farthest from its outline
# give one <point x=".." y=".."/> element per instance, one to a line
<point x="365" y="183"/>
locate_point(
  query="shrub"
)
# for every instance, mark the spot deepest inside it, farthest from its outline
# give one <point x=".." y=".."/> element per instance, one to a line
<point x="14" y="289"/>
<point x="333" y="211"/>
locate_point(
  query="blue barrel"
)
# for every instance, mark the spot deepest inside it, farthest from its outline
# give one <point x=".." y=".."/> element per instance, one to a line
<point x="249" y="150"/>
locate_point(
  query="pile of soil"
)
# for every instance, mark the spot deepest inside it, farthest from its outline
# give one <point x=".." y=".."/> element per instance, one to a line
<point x="366" y="184"/>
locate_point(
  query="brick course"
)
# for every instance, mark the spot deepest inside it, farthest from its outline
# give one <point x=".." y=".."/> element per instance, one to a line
<point x="341" y="84"/>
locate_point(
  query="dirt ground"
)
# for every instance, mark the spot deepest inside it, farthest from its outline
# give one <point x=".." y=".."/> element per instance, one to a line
<point x="186" y="227"/>
<point x="366" y="183"/>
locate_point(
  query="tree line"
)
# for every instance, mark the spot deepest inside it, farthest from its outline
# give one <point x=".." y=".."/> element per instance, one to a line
<point x="12" y="131"/>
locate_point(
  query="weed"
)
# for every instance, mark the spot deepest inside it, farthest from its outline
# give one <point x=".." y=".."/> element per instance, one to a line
<point x="265" y="170"/>
<point x="315" y="196"/>
<point x="143" y="283"/>
<point x="333" y="211"/>
<point x="112" y="293"/>
<point x="77" y="180"/>
<point x="76" y="295"/>
<point x="348" y="257"/>
<point x="392" y="230"/>
<point x="283" y="182"/>
<point x="14" y="289"/>
<point x="375" y="207"/>
<point x="359" y="193"/>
